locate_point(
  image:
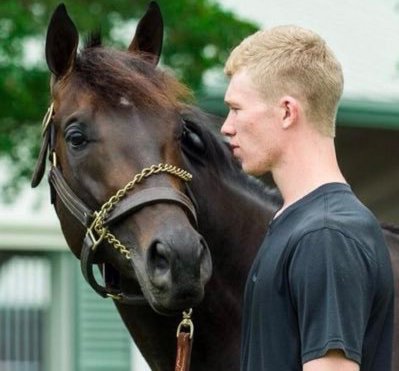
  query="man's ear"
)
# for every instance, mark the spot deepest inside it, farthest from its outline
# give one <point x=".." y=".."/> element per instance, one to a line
<point x="289" y="108"/>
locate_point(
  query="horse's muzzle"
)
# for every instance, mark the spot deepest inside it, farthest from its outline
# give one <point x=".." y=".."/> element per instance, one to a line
<point x="178" y="266"/>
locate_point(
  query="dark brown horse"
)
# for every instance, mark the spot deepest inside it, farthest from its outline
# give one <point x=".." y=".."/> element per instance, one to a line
<point x="114" y="114"/>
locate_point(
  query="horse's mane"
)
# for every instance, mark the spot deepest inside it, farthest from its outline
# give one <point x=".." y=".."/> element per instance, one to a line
<point x="217" y="154"/>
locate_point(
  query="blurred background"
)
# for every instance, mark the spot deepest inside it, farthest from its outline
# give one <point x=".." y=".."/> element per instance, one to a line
<point x="49" y="318"/>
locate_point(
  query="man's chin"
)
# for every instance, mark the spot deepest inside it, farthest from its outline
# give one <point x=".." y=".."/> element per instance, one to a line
<point x="253" y="171"/>
<point x="246" y="168"/>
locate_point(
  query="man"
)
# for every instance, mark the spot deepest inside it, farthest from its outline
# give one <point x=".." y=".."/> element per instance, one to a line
<point x="319" y="295"/>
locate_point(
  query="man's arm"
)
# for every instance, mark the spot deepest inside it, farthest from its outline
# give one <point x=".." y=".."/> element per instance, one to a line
<point x="334" y="360"/>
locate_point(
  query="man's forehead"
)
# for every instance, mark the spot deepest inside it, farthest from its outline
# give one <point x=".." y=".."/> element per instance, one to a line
<point x="240" y="86"/>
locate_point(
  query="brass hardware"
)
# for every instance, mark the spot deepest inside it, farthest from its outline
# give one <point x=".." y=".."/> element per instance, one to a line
<point x="114" y="297"/>
<point x="95" y="241"/>
<point x="47" y="118"/>
<point x="90" y="233"/>
<point x="186" y="322"/>
<point x="54" y="159"/>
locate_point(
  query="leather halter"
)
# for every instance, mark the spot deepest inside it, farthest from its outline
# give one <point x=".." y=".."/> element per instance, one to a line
<point x="86" y="216"/>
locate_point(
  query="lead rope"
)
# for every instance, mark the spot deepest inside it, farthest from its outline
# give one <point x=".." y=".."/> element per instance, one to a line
<point x="184" y="342"/>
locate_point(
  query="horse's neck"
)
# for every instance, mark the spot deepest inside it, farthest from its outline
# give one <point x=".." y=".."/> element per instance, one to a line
<point x="233" y="220"/>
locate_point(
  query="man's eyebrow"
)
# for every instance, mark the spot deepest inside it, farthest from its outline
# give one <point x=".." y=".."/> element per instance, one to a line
<point x="229" y="102"/>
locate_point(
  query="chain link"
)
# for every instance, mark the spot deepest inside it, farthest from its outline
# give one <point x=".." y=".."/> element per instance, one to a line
<point x="98" y="223"/>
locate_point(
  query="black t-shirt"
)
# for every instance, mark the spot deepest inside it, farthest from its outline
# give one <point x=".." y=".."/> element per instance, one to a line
<point x="322" y="280"/>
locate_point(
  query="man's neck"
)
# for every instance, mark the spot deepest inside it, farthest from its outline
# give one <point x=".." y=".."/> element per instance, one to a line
<point x="305" y="167"/>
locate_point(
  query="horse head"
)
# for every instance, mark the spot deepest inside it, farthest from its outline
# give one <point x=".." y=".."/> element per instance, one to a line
<point x="113" y="132"/>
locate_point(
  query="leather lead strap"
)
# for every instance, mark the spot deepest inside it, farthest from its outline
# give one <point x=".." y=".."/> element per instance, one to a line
<point x="183" y="353"/>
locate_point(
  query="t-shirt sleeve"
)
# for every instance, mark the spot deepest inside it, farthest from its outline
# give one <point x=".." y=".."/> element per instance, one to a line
<point x="331" y="280"/>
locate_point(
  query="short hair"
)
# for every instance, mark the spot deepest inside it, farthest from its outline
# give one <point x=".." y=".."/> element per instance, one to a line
<point x="294" y="61"/>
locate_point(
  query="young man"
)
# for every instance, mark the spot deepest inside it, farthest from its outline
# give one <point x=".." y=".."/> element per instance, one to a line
<point x="319" y="295"/>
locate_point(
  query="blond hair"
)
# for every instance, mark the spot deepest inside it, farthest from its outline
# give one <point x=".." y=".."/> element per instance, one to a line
<point x="290" y="60"/>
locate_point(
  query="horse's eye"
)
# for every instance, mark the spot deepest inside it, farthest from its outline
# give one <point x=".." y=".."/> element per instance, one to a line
<point x="76" y="138"/>
<point x="193" y="140"/>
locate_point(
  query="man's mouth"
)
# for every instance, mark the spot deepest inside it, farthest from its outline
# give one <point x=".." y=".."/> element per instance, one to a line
<point x="234" y="148"/>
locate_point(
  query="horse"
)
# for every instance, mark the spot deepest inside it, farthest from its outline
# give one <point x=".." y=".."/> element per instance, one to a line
<point x="144" y="187"/>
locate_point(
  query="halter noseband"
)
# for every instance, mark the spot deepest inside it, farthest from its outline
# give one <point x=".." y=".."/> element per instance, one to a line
<point x="118" y="206"/>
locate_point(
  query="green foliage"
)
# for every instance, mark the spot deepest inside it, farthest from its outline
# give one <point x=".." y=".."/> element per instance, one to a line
<point x="199" y="35"/>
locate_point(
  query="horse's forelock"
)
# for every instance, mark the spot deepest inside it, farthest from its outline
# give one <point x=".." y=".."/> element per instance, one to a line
<point x="113" y="75"/>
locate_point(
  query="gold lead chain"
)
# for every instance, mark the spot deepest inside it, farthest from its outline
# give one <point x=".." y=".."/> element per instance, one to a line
<point x="98" y="223"/>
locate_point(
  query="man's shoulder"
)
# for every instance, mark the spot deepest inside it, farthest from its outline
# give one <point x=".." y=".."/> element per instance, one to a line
<point x="338" y="212"/>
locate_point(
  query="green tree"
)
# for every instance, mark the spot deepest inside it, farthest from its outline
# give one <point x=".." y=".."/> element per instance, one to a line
<point x="198" y="37"/>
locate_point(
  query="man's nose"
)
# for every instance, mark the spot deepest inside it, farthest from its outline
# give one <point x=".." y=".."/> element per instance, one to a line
<point x="228" y="127"/>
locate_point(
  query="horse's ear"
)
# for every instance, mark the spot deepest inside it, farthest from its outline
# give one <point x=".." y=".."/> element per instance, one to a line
<point x="149" y="34"/>
<point x="61" y="42"/>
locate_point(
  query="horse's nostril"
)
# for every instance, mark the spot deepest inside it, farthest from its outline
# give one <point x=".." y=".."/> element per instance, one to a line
<point x="182" y="262"/>
<point x="159" y="257"/>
